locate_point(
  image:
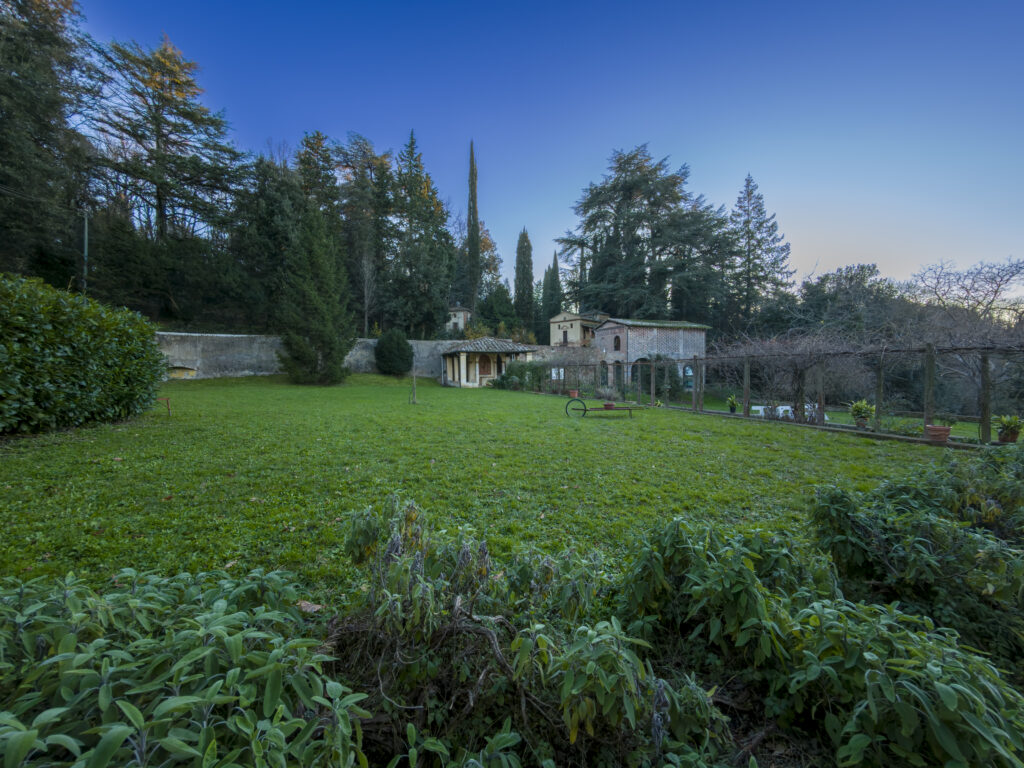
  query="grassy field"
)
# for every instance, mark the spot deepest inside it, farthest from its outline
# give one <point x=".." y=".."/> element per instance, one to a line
<point x="256" y="472"/>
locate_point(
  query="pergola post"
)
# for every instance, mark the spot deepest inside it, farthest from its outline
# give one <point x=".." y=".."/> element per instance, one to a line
<point x="462" y="368"/>
<point x="929" y="384"/>
<point x="879" y="394"/>
<point x="986" y="400"/>
<point x="693" y="391"/>
<point x="746" y="386"/>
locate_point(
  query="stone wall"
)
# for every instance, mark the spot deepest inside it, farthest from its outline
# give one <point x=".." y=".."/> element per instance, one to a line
<point x="216" y="355"/>
<point x="213" y="355"/>
<point x="426" y="360"/>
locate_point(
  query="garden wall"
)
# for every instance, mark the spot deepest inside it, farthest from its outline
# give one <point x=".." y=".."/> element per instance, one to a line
<point x="216" y="355"/>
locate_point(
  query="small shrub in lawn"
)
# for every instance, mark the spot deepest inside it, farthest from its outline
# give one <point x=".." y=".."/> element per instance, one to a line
<point x="67" y="360"/>
<point x="393" y="353"/>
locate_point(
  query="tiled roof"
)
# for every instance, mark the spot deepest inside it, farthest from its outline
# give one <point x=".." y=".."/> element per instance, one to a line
<point x="658" y="323"/>
<point x="487" y="344"/>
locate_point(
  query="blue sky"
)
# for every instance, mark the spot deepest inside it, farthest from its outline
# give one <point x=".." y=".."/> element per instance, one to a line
<point x="878" y="132"/>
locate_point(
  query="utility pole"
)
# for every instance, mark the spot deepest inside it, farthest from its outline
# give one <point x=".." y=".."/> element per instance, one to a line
<point x="85" y="252"/>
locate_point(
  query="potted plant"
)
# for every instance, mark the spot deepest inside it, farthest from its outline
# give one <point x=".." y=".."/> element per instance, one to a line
<point x="1008" y="428"/>
<point x="939" y="433"/>
<point x="862" y="410"/>
<point x="732" y="402"/>
<point x="574" y="393"/>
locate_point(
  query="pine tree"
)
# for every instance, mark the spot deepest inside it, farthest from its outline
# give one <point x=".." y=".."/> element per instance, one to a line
<point x="366" y="206"/>
<point x="45" y="77"/>
<point x="762" y="269"/>
<point x="421" y="269"/>
<point x="524" y="281"/>
<point x="263" y="237"/>
<point x="317" y="328"/>
<point x="496" y="308"/>
<point x="170" y="154"/>
<point x="626" y="235"/>
<point x="551" y="301"/>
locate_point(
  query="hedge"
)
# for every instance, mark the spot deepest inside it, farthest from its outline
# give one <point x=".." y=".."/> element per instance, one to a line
<point x="67" y="360"/>
<point x="393" y="353"/>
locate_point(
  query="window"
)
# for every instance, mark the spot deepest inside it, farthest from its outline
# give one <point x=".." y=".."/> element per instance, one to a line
<point x="618" y="343"/>
<point x="557" y="374"/>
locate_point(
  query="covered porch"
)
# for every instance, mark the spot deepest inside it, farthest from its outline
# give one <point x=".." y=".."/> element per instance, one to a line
<point x="475" y="362"/>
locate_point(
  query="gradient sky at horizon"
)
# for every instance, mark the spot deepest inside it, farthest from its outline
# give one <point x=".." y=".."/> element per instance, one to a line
<point x="888" y="133"/>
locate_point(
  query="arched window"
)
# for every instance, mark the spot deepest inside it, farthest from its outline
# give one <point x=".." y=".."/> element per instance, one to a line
<point x="617" y="344"/>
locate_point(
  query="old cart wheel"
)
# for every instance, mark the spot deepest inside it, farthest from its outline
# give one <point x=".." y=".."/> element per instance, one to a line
<point x="575" y="407"/>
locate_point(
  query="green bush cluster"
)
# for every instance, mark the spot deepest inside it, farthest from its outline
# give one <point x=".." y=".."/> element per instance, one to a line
<point x="67" y="360"/>
<point x="523" y="375"/>
<point x="880" y="686"/>
<point x="393" y="353"/>
<point x="459" y="646"/>
<point x="200" y="670"/>
<point x="945" y="544"/>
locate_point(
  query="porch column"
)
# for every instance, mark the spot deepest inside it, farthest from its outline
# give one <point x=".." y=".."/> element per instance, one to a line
<point x="462" y="368"/>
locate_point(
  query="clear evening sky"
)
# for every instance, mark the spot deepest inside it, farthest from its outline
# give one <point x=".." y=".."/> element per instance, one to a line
<point x="881" y="132"/>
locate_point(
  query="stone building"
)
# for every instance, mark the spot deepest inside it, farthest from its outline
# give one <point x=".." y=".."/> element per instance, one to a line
<point x="475" y="362"/>
<point x="625" y="342"/>
<point x="458" y="319"/>
<point x="574" y="329"/>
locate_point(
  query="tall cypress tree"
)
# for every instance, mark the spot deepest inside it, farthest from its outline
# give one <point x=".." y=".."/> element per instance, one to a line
<point x="524" y="281"/>
<point x="551" y="299"/>
<point x="473" y="265"/>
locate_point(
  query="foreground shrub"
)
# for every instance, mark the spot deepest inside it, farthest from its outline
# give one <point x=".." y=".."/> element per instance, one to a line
<point x="879" y="685"/>
<point x="934" y="550"/>
<point x="67" y="360"/>
<point x="393" y="353"/>
<point x="460" y="647"/>
<point x="203" y="670"/>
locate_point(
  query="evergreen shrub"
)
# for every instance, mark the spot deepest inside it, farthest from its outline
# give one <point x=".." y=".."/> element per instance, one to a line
<point x="393" y="353"/>
<point x="67" y="360"/>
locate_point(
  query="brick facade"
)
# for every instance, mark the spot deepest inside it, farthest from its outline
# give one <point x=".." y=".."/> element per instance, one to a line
<point x="643" y="340"/>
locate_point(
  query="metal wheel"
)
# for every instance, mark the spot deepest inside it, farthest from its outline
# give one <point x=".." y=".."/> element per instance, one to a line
<point x="575" y="407"/>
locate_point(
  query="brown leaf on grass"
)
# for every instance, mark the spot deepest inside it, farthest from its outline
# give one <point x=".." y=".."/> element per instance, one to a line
<point x="307" y="607"/>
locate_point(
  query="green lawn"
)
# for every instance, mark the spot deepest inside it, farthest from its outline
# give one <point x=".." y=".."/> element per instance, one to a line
<point x="256" y="472"/>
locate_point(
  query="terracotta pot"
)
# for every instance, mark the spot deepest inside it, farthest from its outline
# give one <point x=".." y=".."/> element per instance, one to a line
<point x="732" y="409"/>
<point x="936" y="433"/>
<point x="574" y="393"/>
<point x="609" y="406"/>
<point x="1008" y="437"/>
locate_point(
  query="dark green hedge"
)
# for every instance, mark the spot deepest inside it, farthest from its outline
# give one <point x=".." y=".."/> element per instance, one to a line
<point x="393" y="353"/>
<point x="66" y="360"/>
